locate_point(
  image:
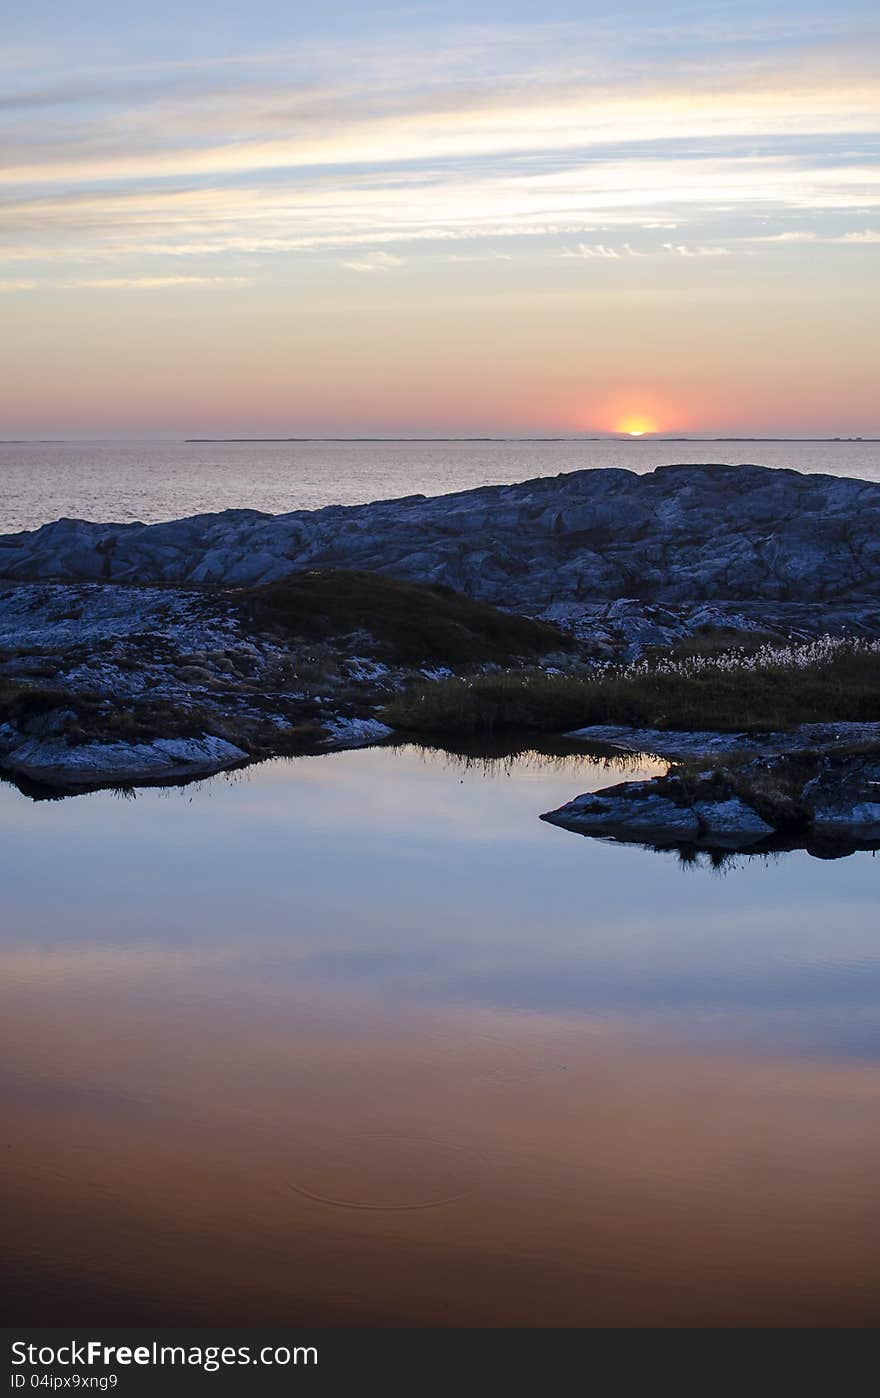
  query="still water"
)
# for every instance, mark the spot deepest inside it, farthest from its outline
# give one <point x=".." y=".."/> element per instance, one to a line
<point x="122" y="481"/>
<point x="357" y="1039"/>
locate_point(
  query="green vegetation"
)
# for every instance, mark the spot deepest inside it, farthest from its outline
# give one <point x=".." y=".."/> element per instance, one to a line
<point x="405" y="623"/>
<point x="828" y="681"/>
<point x="774" y="788"/>
<point x="20" y="702"/>
<point x="713" y="641"/>
<point x="83" y="718"/>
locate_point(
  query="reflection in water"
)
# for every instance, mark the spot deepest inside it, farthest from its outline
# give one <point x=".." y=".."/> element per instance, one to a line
<point x="576" y="758"/>
<point x="505" y="756"/>
<point x="357" y="1039"/>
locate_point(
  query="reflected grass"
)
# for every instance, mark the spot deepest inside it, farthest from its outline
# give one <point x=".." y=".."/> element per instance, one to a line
<point x="503" y="756"/>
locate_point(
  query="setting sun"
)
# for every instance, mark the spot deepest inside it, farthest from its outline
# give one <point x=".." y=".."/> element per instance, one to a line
<point x="636" y="426"/>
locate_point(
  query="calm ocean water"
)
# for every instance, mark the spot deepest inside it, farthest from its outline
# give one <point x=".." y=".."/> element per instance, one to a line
<point x="119" y="481"/>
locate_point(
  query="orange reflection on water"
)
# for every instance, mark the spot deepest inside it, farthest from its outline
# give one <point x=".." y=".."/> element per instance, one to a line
<point x="195" y="1148"/>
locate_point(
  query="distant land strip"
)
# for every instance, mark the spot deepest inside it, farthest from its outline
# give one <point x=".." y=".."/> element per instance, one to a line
<point x="634" y="441"/>
<point x="573" y="441"/>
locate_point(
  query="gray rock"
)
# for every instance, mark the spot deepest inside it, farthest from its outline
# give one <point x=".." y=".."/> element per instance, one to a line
<point x="55" y="763"/>
<point x="632" y="809"/>
<point x="677" y="536"/>
<point x="839" y="806"/>
<point x="730" y="822"/>
<point x="845" y="797"/>
<point x="667" y="743"/>
<point x="638" y="811"/>
<point x="355" y="732"/>
<point x="861" y="818"/>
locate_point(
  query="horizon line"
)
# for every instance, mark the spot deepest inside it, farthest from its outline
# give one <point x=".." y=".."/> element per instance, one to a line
<point x="622" y="438"/>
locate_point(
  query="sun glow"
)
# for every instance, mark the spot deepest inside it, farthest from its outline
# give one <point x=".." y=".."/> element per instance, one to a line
<point x="636" y="425"/>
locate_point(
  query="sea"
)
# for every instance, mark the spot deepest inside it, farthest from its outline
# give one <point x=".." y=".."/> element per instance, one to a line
<point x="155" y="480"/>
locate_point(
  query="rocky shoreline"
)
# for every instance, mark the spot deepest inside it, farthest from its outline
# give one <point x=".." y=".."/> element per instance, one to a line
<point x="139" y="653"/>
<point x="106" y="684"/>
<point x="826" y="801"/>
<point x="102" y="684"/>
<point x="676" y="537"/>
<point x="711" y="746"/>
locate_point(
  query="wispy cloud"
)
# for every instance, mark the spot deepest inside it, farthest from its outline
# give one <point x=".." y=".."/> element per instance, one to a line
<point x="411" y="205"/>
<point x="540" y="131"/>
<point x="373" y="262"/>
<point x="121" y="283"/>
<point x="615" y="252"/>
<point x="151" y="283"/>
<point x="601" y="250"/>
<point x="493" y="256"/>
<point x="697" y="250"/>
<point x="466" y="126"/>
<point x="641" y="170"/>
<point x="794" y="236"/>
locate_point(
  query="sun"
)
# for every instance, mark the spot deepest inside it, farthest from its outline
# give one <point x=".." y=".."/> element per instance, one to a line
<point x="636" y="425"/>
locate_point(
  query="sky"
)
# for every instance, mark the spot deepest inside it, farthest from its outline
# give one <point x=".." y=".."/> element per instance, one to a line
<point x="439" y="218"/>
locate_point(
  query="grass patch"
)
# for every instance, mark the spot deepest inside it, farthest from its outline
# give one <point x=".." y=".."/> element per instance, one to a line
<point x="773" y="789"/>
<point x="409" y="623"/>
<point x="20" y="701"/>
<point x="90" y="720"/>
<point x="770" y="691"/>
<point x="713" y="641"/>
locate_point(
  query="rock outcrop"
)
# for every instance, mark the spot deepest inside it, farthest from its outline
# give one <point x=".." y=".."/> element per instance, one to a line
<point x="52" y="762"/>
<point x="828" y="803"/>
<point x="644" y="813"/>
<point x="183" y="632"/>
<point x="679" y="535"/>
<point x="119" y="684"/>
<point x="711" y="745"/>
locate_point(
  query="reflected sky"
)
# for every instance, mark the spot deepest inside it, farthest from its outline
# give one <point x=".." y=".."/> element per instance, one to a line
<point x="358" y="1039"/>
<point x="409" y="876"/>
